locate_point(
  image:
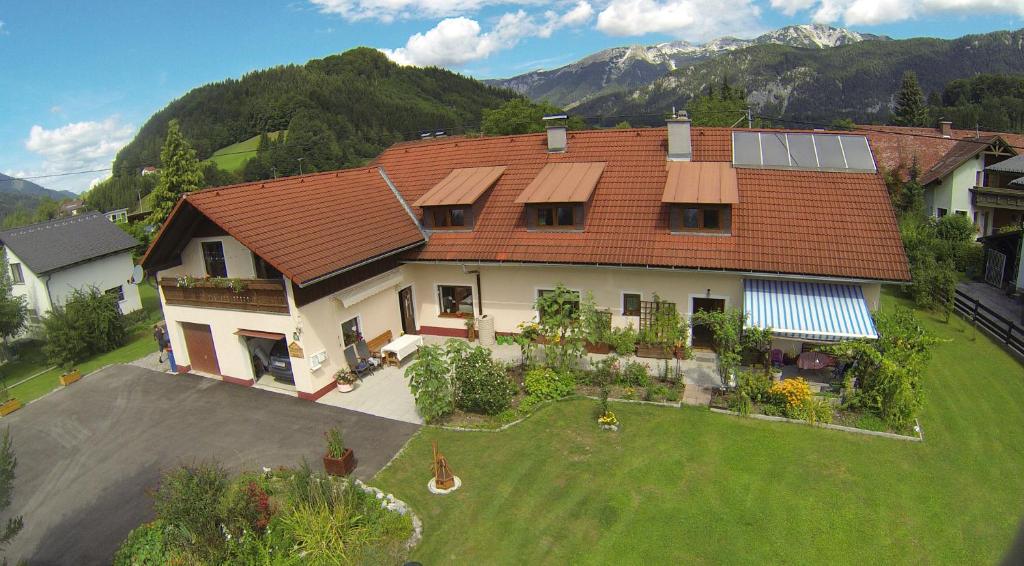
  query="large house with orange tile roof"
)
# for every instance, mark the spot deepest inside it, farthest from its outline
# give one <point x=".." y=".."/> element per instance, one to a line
<point x="795" y="228"/>
<point x="962" y="171"/>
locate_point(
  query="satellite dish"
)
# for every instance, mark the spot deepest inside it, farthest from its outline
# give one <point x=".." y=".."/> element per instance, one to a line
<point x="137" y="275"/>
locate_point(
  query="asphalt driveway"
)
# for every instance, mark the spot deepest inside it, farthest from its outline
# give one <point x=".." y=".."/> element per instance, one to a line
<point x="88" y="454"/>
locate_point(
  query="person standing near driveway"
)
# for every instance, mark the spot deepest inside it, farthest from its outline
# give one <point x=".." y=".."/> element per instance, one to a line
<point x="160" y="335"/>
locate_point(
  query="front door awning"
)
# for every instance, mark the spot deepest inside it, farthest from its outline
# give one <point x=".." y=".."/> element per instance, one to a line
<point x="259" y="334"/>
<point x="808" y="311"/>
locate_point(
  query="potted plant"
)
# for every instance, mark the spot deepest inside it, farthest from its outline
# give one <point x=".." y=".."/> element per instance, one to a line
<point x="8" y="404"/>
<point x="339" y="460"/>
<point x="70" y="376"/>
<point x="470" y="329"/>
<point x="596" y="325"/>
<point x="346" y="380"/>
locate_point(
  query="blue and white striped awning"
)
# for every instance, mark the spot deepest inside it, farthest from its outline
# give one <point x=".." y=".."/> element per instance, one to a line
<point x="808" y="311"/>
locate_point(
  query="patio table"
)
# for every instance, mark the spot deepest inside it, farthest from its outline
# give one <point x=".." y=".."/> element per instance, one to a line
<point x="815" y="360"/>
<point x="396" y="350"/>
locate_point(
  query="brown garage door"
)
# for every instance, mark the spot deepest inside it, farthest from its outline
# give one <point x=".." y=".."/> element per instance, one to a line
<point x="201" y="353"/>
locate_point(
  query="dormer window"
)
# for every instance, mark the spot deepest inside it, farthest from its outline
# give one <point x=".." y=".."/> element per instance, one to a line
<point x="558" y="196"/>
<point x="454" y="203"/>
<point x="449" y="217"/>
<point x="700" y="196"/>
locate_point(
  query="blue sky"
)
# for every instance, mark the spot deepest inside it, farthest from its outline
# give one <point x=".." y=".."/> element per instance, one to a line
<point x="77" y="79"/>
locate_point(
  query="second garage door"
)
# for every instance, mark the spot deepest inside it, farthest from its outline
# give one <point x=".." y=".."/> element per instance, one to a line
<point x="201" y="352"/>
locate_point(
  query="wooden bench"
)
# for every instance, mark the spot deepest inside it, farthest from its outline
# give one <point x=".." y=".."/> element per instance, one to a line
<point x="379" y="342"/>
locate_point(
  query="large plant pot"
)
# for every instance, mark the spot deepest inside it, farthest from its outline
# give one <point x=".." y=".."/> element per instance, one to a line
<point x="9" y="407"/>
<point x="346" y="387"/>
<point x="70" y="377"/>
<point x="599" y="348"/>
<point x="471" y="333"/>
<point x="653" y="351"/>
<point x="340" y="466"/>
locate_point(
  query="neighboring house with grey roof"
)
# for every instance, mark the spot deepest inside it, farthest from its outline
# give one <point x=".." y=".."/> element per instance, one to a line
<point x="49" y="260"/>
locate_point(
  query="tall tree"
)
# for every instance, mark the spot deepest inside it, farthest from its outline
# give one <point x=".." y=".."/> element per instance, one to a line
<point x="13" y="308"/>
<point x="520" y="116"/>
<point x="911" y="109"/>
<point x="7" y="465"/>
<point x="724" y="107"/>
<point x="180" y="173"/>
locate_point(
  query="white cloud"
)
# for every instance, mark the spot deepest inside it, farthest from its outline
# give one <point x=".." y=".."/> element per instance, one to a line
<point x="695" y="20"/>
<point x="78" y="146"/>
<point x="389" y="10"/>
<point x="457" y="41"/>
<point x="3" y="30"/>
<point x="870" y="12"/>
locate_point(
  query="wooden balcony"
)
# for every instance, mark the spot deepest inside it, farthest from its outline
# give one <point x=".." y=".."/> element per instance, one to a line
<point x="999" y="197"/>
<point x="259" y="295"/>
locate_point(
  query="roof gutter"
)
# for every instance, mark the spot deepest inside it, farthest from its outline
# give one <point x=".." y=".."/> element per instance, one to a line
<point x="778" y="275"/>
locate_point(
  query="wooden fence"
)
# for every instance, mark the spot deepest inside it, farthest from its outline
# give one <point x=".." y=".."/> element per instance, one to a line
<point x="1003" y="330"/>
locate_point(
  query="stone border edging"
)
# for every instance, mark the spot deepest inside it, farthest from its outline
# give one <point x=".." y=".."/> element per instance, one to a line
<point x="392" y="503"/>
<point x="892" y="435"/>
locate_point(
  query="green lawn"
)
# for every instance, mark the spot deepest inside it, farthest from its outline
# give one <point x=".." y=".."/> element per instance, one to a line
<point x="686" y="486"/>
<point x="139" y="344"/>
<point x="232" y="158"/>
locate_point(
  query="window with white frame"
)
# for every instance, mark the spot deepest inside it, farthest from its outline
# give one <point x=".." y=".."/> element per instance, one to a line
<point x="16" y="274"/>
<point x="117" y="292"/>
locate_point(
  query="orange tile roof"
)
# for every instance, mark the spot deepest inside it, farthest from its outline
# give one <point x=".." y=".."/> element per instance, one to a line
<point x="562" y="182"/>
<point x="800" y="222"/>
<point x="704" y="182"/>
<point x="461" y="186"/>
<point x="307" y="226"/>
<point x="898" y="148"/>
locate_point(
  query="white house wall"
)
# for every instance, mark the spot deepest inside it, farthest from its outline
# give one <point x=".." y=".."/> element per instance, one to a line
<point x="103" y="273"/>
<point x="33" y="288"/>
<point x="954" y="193"/>
<point x="237" y="257"/>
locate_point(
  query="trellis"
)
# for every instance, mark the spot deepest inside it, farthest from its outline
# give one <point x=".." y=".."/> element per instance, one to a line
<point x="649" y="311"/>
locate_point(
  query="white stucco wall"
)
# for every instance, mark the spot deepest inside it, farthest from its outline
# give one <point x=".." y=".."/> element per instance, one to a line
<point x="238" y="258"/>
<point x="954" y="193"/>
<point x="33" y="289"/>
<point x="103" y="273"/>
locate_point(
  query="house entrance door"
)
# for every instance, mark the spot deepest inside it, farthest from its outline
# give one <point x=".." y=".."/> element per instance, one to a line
<point x="405" y="306"/>
<point x="703" y="338"/>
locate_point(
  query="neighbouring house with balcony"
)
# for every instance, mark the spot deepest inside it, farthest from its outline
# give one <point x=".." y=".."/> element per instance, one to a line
<point x="49" y="260"/>
<point x="793" y="227"/>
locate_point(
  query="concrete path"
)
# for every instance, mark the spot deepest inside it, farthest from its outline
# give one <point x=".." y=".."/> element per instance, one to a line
<point x="1011" y="308"/>
<point x="87" y="454"/>
<point x="384" y="393"/>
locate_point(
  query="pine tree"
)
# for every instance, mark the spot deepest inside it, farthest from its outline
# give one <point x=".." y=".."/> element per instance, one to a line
<point x="180" y="173"/>
<point x="911" y="109"/>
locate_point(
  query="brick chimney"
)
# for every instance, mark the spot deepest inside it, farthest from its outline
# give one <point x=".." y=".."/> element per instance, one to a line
<point x="946" y="128"/>
<point x="557" y="133"/>
<point x="679" y="146"/>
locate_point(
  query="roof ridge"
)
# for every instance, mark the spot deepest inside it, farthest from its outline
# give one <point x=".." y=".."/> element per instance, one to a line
<point x="264" y="182"/>
<point x="51" y="223"/>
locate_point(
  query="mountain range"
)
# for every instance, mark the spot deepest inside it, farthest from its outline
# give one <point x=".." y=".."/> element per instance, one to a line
<point x="806" y="73"/>
<point x="19" y="193"/>
<point x="634" y="66"/>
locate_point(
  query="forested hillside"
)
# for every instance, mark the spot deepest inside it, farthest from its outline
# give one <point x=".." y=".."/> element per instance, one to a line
<point x="854" y="81"/>
<point x="356" y="103"/>
<point x="26" y="199"/>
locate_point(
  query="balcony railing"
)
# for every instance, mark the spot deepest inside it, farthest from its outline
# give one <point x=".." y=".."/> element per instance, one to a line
<point x="259" y="295"/>
<point x="998" y="197"/>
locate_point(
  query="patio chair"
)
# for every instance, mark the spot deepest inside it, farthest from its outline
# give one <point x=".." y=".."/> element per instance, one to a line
<point x="777" y="358"/>
<point x="360" y="368"/>
<point x="364" y="354"/>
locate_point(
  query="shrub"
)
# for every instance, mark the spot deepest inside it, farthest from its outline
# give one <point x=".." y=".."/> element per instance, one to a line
<point x="481" y="383"/>
<point x="144" y="546"/>
<point x="335" y="443"/>
<point x="756" y="385"/>
<point x="187" y="501"/>
<point x="791" y="395"/>
<point x="672" y="396"/>
<point x="623" y="340"/>
<point x="606" y="370"/>
<point x="974" y="261"/>
<point x="247" y="507"/>
<point x="634" y="374"/>
<point x="740" y="402"/>
<point x="545" y="383"/>
<point x="819" y="410"/>
<point x="88" y="323"/>
<point x="431" y="384"/>
<point x="561" y="327"/>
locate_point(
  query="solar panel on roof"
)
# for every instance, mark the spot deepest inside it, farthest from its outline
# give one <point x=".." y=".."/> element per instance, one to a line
<point x="858" y="154"/>
<point x="778" y="150"/>
<point x="801" y="151"/>
<point x="774" y="151"/>
<point x="746" y="148"/>
<point x="830" y="152"/>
